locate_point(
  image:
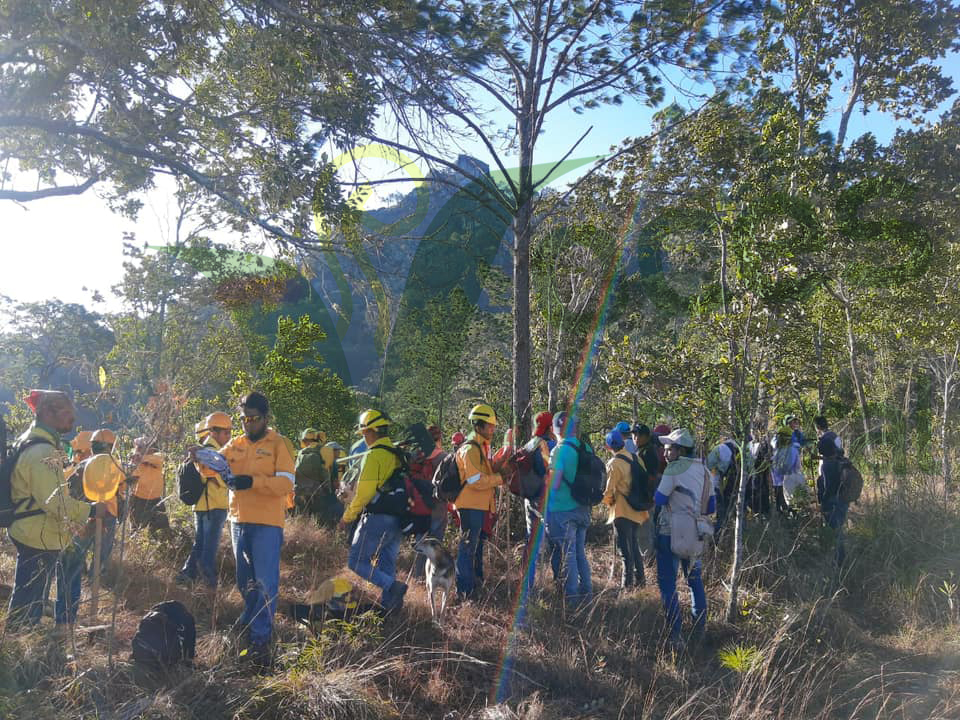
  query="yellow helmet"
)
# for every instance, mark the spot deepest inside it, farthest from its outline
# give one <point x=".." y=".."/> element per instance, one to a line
<point x="370" y="420"/>
<point x="308" y="434"/>
<point x="200" y="431"/>
<point x="104" y="435"/>
<point x="484" y="413"/>
<point x="81" y="443"/>
<point x="217" y="420"/>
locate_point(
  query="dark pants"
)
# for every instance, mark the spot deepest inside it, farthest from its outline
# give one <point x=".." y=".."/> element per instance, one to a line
<point x="149" y="512"/>
<point x="470" y="553"/>
<point x="628" y="545"/>
<point x="758" y="494"/>
<point x="34" y="573"/>
<point x="835" y="516"/>
<point x="782" y="506"/>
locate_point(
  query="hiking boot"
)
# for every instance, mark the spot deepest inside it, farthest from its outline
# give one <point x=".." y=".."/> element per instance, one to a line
<point x="258" y="655"/>
<point x="393" y="597"/>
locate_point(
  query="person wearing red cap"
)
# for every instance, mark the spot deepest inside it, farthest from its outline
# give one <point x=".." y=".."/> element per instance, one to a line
<point x="438" y="518"/>
<point x="46" y="516"/>
<point x="544" y="440"/>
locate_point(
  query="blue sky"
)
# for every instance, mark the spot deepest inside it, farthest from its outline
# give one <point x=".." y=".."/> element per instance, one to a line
<point x="59" y="246"/>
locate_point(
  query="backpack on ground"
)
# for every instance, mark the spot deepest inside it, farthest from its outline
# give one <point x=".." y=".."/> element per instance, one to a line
<point x="165" y="636"/>
<point x="851" y="482"/>
<point x="190" y="484"/>
<point x="587" y="485"/>
<point x="10" y="510"/>
<point x="447" y="483"/>
<point x="640" y="497"/>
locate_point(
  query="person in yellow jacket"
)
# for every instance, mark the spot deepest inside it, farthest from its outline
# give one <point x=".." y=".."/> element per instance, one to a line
<point x="626" y="521"/>
<point x="376" y="533"/>
<point x="262" y="478"/>
<point x="46" y="516"/>
<point x="478" y="480"/>
<point x="146" y="502"/>
<point x="210" y="511"/>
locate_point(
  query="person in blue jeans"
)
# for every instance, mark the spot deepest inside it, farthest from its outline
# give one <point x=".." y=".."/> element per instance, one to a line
<point x="685" y="489"/>
<point x="567" y="520"/>
<point x="377" y="534"/>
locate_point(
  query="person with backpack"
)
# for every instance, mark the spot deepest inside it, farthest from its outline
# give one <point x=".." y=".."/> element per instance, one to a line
<point x="261" y="479"/>
<point x="479" y="480"/>
<point x="683" y="500"/>
<point x="43" y="516"/>
<point x="440" y="512"/>
<point x="829" y="495"/>
<point x="758" y="483"/>
<point x="210" y="508"/>
<point x="543" y="441"/>
<point x="723" y="463"/>
<point x="623" y="427"/>
<point x="315" y="494"/>
<point x="377" y="533"/>
<point x="568" y="519"/>
<point x="101" y="443"/>
<point x="626" y="519"/>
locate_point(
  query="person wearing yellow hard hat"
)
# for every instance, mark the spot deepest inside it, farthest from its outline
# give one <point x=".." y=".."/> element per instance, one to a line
<point x="316" y="493"/>
<point x="378" y="530"/>
<point x="262" y="478"/>
<point x="80" y="450"/>
<point x="45" y="517"/>
<point x="210" y="509"/>
<point x="479" y="479"/>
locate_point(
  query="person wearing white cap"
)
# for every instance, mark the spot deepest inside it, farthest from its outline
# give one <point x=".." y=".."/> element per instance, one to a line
<point x="685" y="490"/>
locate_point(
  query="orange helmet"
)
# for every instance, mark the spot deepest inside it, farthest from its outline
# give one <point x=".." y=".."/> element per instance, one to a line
<point x="217" y="420"/>
<point x="104" y="435"/>
<point x="81" y="442"/>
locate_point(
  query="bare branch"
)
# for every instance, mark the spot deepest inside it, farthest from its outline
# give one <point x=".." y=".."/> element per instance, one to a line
<point x="30" y="195"/>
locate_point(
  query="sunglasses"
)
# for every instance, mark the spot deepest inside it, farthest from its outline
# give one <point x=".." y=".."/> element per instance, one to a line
<point x="246" y="419"/>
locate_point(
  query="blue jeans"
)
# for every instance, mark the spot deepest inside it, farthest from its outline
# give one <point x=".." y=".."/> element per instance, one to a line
<point x="470" y="553"/>
<point x="203" y="555"/>
<point x="35" y="569"/>
<point x="567" y="531"/>
<point x="667" y="566"/>
<point x="835" y="516"/>
<point x="378" y="535"/>
<point x="257" y="551"/>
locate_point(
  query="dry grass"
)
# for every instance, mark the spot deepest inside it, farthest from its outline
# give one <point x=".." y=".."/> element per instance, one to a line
<point x="884" y="647"/>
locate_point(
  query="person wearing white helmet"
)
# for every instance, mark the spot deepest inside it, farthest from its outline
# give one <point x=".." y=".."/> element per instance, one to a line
<point x="685" y="491"/>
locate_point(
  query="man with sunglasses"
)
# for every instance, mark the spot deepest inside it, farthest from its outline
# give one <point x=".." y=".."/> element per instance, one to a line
<point x="262" y="471"/>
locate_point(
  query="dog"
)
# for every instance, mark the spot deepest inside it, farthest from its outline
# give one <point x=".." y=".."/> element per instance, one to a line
<point x="441" y="573"/>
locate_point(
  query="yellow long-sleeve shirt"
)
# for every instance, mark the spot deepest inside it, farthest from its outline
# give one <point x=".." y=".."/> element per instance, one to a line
<point x="473" y="458"/>
<point x="269" y="463"/>
<point x="618" y="487"/>
<point x="375" y="469"/>
<point x="149" y="474"/>
<point x="38" y="482"/>
<point x="215" y="493"/>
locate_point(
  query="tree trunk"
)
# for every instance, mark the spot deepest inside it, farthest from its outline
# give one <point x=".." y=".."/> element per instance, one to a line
<point x="733" y="602"/>
<point x="819" y="348"/>
<point x="944" y="418"/>
<point x="522" y="230"/>
<point x="855" y="376"/>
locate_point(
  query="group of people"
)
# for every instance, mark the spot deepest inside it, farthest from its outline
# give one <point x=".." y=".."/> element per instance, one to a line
<point x="262" y="478"/>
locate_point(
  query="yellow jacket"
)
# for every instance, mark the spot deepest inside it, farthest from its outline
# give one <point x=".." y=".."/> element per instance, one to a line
<point x="38" y="477"/>
<point x="473" y="460"/>
<point x="215" y="494"/>
<point x="149" y="474"/>
<point x="375" y="469"/>
<point x="618" y="487"/>
<point x="269" y="463"/>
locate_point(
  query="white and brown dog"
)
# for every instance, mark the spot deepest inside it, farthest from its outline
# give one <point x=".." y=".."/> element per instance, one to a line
<point x="441" y="573"/>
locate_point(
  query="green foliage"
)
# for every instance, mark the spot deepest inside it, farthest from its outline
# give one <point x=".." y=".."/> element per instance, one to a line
<point x="302" y="393"/>
<point x="740" y="658"/>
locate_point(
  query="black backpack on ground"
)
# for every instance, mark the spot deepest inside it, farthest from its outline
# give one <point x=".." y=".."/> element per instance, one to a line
<point x="165" y="636"/>
<point x="587" y="485"/>
<point x="640" y="496"/>
<point x="190" y="484"/>
<point x="10" y="510"/>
